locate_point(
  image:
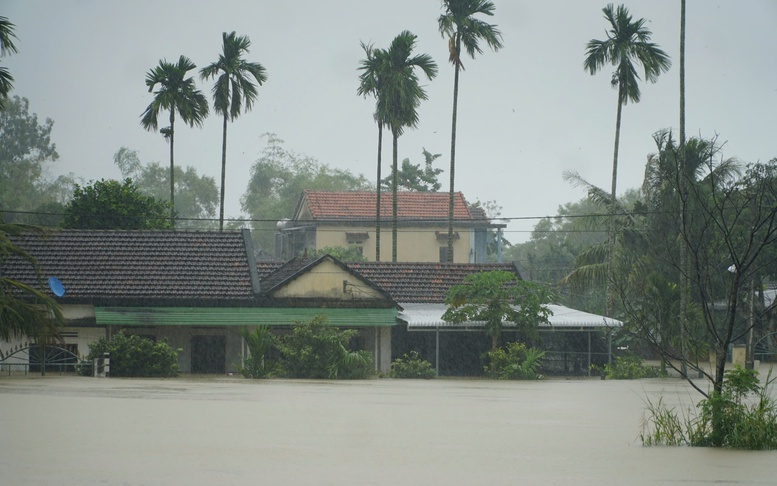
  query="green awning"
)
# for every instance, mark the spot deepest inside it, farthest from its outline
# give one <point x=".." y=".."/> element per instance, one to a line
<point x="239" y="316"/>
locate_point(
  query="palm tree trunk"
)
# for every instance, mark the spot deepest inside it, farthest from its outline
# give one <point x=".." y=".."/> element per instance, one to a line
<point x="394" y="200"/>
<point x="377" y="191"/>
<point x="684" y="284"/>
<point x="611" y="232"/>
<point x="449" y="257"/>
<point x="223" y="173"/>
<point x="172" y="168"/>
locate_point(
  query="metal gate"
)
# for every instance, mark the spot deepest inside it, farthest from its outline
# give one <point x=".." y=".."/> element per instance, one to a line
<point x="37" y="358"/>
<point x="765" y="348"/>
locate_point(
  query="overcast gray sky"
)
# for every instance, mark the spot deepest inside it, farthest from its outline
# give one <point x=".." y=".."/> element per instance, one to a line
<point x="526" y="113"/>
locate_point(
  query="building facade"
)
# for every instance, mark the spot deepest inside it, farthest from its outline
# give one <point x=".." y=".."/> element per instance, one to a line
<point x="348" y="218"/>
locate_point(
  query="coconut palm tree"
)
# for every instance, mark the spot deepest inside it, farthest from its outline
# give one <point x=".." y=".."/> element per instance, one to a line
<point x="459" y="24"/>
<point x="685" y="297"/>
<point x="176" y="93"/>
<point x="6" y="47"/>
<point x="232" y="90"/>
<point x="25" y="310"/>
<point x="628" y="43"/>
<point x="402" y="95"/>
<point x="371" y="83"/>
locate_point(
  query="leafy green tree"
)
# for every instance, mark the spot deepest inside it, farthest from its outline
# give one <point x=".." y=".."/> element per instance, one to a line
<point x="628" y="43"/>
<point x="412" y="366"/>
<point x="351" y="253"/>
<point x="497" y="297"/>
<point x="372" y="82"/>
<point x="461" y="26"/>
<point x="24" y="309"/>
<point x="136" y="356"/>
<point x="233" y="89"/>
<point x="668" y="178"/>
<point x="319" y="350"/>
<point x="514" y="362"/>
<point x="549" y="254"/>
<point x="403" y="95"/>
<point x="259" y="343"/>
<point x="7" y="47"/>
<point x="197" y="195"/>
<point x="276" y="184"/>
<point x="733" y="225"/>
<point x="25" y="148"/>
<point x="115" y="205"/>
<point x="176" y="93"/>
<point x="411" y="177"/>
<point x="597" y="266"/>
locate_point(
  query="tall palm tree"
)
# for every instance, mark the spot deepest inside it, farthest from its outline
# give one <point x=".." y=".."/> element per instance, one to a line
<point x="233" y="88"/>
<point x="459" y="24"/>
<point x="6" y="47"/>
<point x="628" y="42"/>
<point x="685" y="288"/>
<point x="176" y="93"/>
<point x="371" y="82"/>
<point x="402" y="97"/>
<point x="24" y="309"/>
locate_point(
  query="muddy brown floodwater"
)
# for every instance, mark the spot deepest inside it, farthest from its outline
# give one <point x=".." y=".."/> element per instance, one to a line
<point x="222" y="431"/>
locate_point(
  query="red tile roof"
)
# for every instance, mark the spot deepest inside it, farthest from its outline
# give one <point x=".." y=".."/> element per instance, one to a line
<point x="360" y="206"/>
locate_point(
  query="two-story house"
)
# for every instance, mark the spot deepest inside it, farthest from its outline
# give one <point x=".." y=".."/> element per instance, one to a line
<point x="344" y="218"/>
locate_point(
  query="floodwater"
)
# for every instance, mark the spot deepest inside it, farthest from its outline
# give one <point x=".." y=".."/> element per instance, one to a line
<point x="223" y="431"/>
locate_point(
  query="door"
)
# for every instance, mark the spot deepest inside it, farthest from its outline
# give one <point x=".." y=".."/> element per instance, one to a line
<point x="209" y="354"/>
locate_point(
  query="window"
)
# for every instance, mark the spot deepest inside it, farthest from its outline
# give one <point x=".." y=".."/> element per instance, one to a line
<point x="443" y="235"/>
<point x="444" y="254"/>
<point x="356" y="238"/>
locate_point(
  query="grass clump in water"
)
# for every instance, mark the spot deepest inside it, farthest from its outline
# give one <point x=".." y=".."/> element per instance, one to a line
<point x="741" y="416"/>
<point x="628" y="367"/>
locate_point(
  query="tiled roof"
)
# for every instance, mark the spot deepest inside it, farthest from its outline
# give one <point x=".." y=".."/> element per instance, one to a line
<point x="139" y="267"/>
<point x="423" y="282"/>
<point x="408" y="282"/>
<point x="265" y="269"/>
<point x="274" y="275"/>
<point x="411" y="206"/>
<point x="281" y="272"/>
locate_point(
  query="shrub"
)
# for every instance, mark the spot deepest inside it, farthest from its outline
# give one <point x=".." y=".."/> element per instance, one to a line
<point x="742" y="416"/>
<point x="85" y="367"/>
<point x="412" y="366"/>
<point x="136" y="356"/>
<point x="514" y="362"/>
<point x="319" y="350"/>
<point x="259" y="342"/>
<point x="627" y="368"/>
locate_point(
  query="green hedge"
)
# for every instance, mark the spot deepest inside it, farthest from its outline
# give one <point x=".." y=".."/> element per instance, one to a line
<point x="136" y="356"/>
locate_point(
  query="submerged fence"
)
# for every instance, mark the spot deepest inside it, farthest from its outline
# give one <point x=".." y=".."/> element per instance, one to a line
<point x="39" y="359"/>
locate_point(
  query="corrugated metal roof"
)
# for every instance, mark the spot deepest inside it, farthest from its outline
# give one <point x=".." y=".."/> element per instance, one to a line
<point x="240" y="316"/>
<point x="430" y="315"/>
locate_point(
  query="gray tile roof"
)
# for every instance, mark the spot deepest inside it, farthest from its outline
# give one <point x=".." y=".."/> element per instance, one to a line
<point x="406" y="282"/>
<point x="106" y="267"/>
<point x="423" y="282"/>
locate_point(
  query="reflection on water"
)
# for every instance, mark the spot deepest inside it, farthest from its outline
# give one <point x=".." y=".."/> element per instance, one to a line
<point x="233" y="431"/>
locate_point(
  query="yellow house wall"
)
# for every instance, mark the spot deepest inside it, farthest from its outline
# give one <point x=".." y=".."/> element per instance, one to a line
<point x="326" y="281"/>
<point x="414" y="243"/>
